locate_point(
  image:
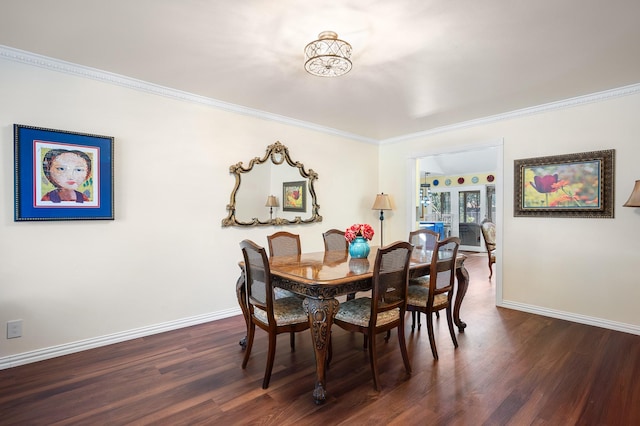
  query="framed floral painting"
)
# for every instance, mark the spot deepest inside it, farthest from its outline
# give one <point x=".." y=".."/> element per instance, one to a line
<point x="62" y="175"/>
<point x="572" y="185"/>
<point x="294" y="196"/>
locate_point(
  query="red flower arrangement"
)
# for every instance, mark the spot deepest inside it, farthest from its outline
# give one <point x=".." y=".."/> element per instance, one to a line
<point x="358" y="230"/>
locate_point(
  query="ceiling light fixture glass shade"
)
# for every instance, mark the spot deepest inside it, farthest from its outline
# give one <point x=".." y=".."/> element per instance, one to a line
<point x="328" y="56"/>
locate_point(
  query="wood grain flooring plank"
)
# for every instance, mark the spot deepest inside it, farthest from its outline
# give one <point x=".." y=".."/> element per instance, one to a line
<point x="511" y="368"/>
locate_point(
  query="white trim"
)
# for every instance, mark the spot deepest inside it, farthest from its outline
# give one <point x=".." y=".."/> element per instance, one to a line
<point x="33" y="59"/>
<point x="82" y="345"/>
<point x="96" y="342"/>
<point x="21" y="56"/>
<point x="500" y="208"/>
<point x="551" y="106"/>
<point x="568" y="316"/>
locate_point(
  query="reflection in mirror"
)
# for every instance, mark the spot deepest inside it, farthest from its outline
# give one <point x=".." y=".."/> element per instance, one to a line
<point x="273" y="192"/>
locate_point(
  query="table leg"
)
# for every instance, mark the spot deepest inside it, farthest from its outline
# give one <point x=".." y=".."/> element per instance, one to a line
<point x="463" y="284"/>
<point x="241" y="294"/>
<point x="321" y="313"/>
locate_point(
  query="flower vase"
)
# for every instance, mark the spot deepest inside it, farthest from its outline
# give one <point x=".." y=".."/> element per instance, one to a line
<point x="359" y="248"/>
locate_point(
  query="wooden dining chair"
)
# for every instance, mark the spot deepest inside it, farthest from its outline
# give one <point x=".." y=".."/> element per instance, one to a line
<point x="489" y="235"/>
<point x="273" y="315"/>
<point x="284" y="244"/>
<point x="423" y="240"/>
<point x="439" y="294"/>
<point x="334" y="240"/>
<point x="385" y="309"/>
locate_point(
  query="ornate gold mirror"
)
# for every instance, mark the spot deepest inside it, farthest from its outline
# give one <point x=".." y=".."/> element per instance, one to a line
<point x="275" y="191"/>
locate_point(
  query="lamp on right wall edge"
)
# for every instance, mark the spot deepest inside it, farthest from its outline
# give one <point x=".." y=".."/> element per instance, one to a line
<point x="634" y="198"/>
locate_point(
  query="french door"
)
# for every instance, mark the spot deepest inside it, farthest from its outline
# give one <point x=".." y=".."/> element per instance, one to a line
<point x="462" y="210"/>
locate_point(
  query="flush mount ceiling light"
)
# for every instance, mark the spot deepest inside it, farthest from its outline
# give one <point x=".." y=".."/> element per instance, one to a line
<point x="328" y="56"/>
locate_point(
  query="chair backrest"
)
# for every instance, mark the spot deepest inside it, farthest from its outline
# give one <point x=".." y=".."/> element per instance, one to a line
<point x="284" y="244"/>
<point x="489" y="235"/>
<point x="443" y="267"/>
<point x="334" y="240"/>
<point x="423" y="239"/>
<point x="390" y="279"/>
<point x="257" y="278"/>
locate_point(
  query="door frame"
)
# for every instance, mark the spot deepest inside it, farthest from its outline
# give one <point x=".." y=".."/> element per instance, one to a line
<point x="413" y="177"/>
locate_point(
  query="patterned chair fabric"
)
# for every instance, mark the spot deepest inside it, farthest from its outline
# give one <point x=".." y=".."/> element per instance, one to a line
<point x="489" y="235"/>
<point x="274" y="315"/>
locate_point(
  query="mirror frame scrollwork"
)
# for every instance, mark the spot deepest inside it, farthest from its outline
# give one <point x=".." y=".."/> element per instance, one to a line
<point x="278" y="154"/>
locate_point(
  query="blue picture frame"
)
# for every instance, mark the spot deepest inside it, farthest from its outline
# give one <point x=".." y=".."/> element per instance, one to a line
<point x="43" y="156"/>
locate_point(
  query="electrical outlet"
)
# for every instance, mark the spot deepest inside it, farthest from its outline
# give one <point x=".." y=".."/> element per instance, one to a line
<point x="14" y="329"/>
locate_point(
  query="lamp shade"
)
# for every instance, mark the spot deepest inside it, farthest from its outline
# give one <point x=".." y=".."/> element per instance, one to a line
<point x="634" y="199"/>
<point x="272" y="201"/>
<point x="382" y="202"/>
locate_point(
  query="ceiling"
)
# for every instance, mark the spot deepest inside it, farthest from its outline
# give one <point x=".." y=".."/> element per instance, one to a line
<point x="417" y="64"/>
<point x="460" y="163"/>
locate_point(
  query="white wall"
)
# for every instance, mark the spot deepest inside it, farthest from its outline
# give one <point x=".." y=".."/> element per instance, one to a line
<point x="165" y="258"/>
<point x="166" y="261"/>
<point x="580" y="269"/>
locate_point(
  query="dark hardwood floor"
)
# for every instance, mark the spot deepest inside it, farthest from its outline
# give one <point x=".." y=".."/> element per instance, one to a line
<point x="510" y="368"/>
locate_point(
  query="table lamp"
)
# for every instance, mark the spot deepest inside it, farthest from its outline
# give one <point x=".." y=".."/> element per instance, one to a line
<point x="272" y="202"/>
<point x="634" y="198"/>
<point x="381" y="203"/>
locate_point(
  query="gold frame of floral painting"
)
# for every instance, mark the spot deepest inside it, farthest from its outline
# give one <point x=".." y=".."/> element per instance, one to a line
<point x="571" y="185"/>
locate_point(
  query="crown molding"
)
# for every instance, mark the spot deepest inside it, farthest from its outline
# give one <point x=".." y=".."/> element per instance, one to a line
<point x="632" y="89"/>
<point x="33" y="59"/>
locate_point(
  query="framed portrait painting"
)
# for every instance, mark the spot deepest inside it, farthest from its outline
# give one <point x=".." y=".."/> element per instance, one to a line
<point x="62" y="175"/>
<point x="294" y="196"/>
<point x="572" y="185"/>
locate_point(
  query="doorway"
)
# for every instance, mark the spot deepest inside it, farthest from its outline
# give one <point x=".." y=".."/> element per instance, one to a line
<point x="458" y="190"/>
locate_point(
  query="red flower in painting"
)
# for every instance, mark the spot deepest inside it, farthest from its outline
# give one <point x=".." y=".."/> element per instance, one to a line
<point x="545" y="184"/>
<point x="358" y="230"/>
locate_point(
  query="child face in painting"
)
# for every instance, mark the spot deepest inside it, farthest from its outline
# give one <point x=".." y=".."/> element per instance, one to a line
<point x="68" y="171"/>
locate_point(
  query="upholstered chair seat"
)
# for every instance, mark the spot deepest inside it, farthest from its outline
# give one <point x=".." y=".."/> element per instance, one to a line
<point x="418" y="295"/>
<point x="286" y="311"/>
<point x="358" y="311"/>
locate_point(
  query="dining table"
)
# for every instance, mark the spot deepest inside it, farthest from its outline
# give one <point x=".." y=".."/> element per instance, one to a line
<point x="320" y="277"/>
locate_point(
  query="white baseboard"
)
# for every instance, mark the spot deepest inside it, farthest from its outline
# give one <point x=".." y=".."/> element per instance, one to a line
<point x="83" y="345"/>
<point x="568" y="316"/>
